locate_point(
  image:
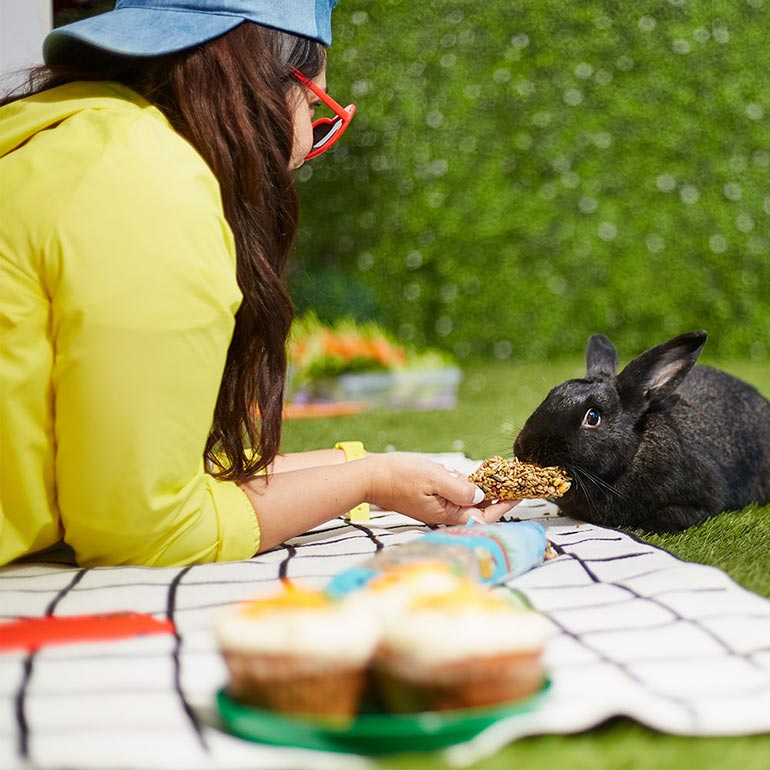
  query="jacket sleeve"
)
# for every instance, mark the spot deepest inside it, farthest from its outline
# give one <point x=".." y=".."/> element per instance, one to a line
<point x="141" y="272"/>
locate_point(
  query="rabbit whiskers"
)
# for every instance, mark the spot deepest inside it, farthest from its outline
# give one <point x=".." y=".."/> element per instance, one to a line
<point x="585" y="479"/>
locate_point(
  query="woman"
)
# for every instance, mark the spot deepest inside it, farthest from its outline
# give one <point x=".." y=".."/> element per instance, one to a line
<point x="146" y="215"/>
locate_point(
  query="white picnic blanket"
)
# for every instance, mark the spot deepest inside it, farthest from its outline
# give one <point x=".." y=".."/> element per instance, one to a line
<point x="636" y="632"/>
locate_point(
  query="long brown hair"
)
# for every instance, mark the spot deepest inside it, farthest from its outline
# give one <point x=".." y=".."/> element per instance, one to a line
<point x="229" y="99"/>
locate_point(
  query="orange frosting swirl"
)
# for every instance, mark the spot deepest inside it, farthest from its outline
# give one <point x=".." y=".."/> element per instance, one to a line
<point x="292" y="597"/>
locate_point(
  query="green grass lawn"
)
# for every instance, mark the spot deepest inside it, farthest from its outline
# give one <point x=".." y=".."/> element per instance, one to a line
<point x="495" y="399"/>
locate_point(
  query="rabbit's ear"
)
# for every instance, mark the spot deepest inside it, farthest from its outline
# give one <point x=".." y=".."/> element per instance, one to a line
<point x="657" y="373"/>
<point x="601" y="356"/>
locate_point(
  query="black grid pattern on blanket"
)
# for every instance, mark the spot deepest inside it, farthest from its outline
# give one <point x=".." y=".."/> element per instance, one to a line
<point x="636" y="632"/>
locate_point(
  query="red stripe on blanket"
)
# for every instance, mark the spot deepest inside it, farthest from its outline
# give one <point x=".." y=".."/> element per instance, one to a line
<point x="32" y="633"/>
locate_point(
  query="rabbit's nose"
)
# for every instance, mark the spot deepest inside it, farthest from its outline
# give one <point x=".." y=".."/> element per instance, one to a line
<point x="527" y="447"/>
<point x="519" y="448"/>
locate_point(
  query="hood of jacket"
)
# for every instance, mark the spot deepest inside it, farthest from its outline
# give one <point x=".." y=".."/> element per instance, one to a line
<point x="25" y="118"/>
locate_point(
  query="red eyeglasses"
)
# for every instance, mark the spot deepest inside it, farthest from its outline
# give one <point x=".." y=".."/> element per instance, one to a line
<point x="326" y="131"/>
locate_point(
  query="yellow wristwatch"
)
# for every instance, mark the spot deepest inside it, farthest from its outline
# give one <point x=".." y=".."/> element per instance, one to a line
<point x="354" y="450"/>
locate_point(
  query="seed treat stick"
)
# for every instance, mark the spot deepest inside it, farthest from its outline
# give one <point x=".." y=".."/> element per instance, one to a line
<point x="503" y="479"/>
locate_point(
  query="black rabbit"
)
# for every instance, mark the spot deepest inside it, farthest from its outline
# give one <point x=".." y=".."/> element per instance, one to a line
<point x="661" y="446"/>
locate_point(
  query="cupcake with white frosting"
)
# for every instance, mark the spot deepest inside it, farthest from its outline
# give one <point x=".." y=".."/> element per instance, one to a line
<point x="466" y="648"/>
<point x="298" y="652"/>
<point x="396" y="588"/>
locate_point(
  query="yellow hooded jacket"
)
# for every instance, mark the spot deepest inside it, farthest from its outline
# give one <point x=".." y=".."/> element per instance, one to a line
<point x="117" y="304"/>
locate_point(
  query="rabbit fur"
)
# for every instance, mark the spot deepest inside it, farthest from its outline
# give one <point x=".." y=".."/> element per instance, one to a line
<point x="661" y="446"/>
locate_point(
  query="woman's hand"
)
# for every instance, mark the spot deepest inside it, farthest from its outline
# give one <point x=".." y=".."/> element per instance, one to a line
<point x="427" y="491"/>
<point x="294" y="501"/>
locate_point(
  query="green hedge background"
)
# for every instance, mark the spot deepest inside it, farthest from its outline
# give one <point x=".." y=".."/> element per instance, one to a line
<point x="523" y="173"/>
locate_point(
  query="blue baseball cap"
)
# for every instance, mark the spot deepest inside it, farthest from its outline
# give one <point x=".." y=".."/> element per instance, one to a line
<point x="157" y="27"/>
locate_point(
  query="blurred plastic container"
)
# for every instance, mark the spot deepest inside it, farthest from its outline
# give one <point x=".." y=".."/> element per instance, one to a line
<point x="418" y="389"/>
<point x="488" y="553"/>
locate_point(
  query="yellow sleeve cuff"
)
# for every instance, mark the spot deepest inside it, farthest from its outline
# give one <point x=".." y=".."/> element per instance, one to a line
<point x="237" y="520"/>
<point x="354" y="450"/>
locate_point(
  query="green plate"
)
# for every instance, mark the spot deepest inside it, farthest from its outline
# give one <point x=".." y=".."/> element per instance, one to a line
<point x="374" y="733"/>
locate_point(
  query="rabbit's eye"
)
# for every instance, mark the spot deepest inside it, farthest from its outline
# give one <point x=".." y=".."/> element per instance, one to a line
<point x="592" y="418"/>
